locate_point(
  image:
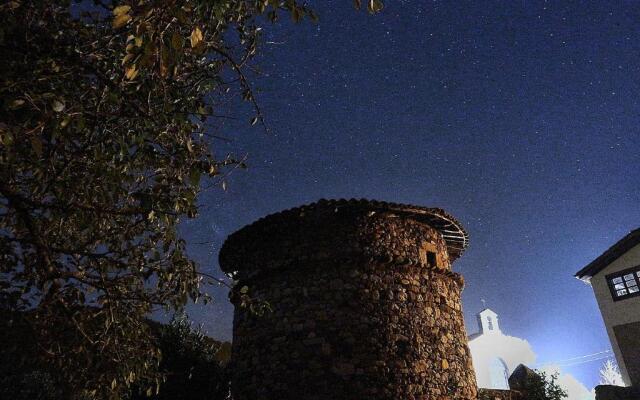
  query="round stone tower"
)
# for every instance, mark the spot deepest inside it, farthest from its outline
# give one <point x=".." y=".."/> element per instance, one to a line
<point x="362" y="304"/>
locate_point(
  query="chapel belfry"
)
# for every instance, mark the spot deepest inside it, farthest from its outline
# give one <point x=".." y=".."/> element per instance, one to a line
<point x="488" y="321"/>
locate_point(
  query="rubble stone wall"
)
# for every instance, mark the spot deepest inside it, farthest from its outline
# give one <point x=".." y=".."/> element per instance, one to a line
<point x="496" y="394"/>
<point x="357" y="310"/>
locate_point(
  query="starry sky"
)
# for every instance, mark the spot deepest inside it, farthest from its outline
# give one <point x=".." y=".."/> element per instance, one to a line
<point x="521" y="119"/>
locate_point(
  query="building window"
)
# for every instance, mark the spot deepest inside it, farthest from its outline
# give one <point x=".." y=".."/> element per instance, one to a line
<point x="625" y="284"/>
<point x="431" y="259"/>
<point x="489" y="323"/>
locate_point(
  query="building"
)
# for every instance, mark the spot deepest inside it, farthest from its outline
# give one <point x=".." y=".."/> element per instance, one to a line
<point x="615" y="279"/>
<point x="499" y="360"/>
<point x="496" y="355"/>
<point x="364" y="304"/>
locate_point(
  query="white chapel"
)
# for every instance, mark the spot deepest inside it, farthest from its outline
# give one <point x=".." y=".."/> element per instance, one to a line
<point x="496" y="355"/>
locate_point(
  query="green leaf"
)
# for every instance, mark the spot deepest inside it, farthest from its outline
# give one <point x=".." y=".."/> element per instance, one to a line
<point x="121" y="20"/>
<point x="124" y="9"/>
<point x="164" y="61"/>
<point x="131" y="72"/>
<point x="196" y="37"/>
<point x="65" y="121"/>
<point x="296" y="14"/>
<point x="6" y="138"/>
<point x="195" y="177"/>
<point x="375" y="6"/>
<point x="57" y="105"/>
<point x="176" y="41"/>
<point x="15" y="104"/>
<point x="36" y="145"/>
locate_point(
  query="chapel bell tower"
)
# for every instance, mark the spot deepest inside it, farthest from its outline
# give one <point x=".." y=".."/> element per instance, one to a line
<point x="488" y="322"/>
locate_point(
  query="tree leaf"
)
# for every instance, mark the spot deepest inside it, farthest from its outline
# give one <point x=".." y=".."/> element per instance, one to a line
<point x="296" y="14"/>
<point x="15" y="104"/>
<point x="121" y="20"/>
<point x="375" y="6"/>
<point x="36" y="145"/>
<point x="164" y="61"/>
<point x="65" y="122"/>
<point x="131" y="72"/>
<point x="195" y="177"/>
<point x="176" y="41"/>
<point x="196" y="37"/>
<point x="57" y="105"/>
<point x="124" y="9"/>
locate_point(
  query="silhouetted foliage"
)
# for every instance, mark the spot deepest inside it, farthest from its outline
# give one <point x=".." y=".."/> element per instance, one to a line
<point x="23" y="375"/>
<point x="541" y="387"/>
<point x="193" y="365"/>
<point x="35" y="385"/>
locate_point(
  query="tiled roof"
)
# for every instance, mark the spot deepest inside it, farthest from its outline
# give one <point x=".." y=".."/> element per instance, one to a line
<point x="451" y="230"/>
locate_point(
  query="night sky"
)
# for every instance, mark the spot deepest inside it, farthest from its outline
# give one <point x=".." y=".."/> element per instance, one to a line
<point x="521" y="119"/>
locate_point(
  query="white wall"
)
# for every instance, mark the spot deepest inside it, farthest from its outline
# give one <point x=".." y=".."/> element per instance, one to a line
<point x="512" y="350"/>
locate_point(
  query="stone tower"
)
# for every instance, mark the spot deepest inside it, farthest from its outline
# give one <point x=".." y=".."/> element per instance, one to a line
<point x="364" y="304"/>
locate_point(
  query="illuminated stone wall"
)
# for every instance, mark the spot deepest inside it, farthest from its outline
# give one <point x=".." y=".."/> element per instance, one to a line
<point x="358" y="309"/>
<point x="496" y="394"/>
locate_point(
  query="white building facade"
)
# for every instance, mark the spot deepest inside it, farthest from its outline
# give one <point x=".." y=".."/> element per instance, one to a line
<point x="496" y="355"/>
<point x="615" y="279"/>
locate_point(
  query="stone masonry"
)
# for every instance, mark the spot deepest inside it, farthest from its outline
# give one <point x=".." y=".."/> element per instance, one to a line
<point x="364" y="304"/>
<point x="497" y="394"/>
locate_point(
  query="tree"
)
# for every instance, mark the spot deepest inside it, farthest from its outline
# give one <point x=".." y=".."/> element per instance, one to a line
<point x="103" y="143"/>
<point x="22" y="375"/>
<point x="35" y="385"/>
<point x="541" y="387"/>
<point x="535" y="385"/>
<point x="610" y="374"/>
<point x="193" y="364"/>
